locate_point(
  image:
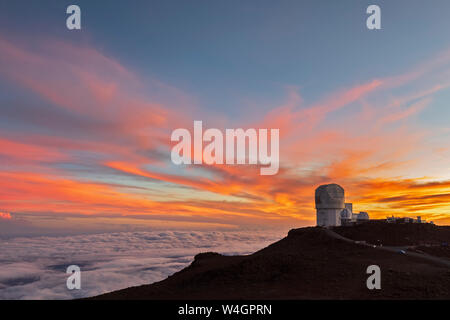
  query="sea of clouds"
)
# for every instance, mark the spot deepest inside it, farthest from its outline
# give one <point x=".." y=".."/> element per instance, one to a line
<point x="35" y="267"/>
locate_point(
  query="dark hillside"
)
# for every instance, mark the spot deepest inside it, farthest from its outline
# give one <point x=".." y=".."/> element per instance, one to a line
<point x="309" y="264"/>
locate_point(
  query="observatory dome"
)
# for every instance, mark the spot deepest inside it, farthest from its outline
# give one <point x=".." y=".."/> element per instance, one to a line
<point x="363" y="216"/>
<point x="330" y="196"/>
<point x="346" y="214"/>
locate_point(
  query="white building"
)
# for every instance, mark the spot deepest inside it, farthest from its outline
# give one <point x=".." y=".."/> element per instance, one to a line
<point x="332" y="209"/>
<point x="406" y="220"/>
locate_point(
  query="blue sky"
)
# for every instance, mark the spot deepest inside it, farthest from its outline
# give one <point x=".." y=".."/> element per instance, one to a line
<point x="226" y="52"/>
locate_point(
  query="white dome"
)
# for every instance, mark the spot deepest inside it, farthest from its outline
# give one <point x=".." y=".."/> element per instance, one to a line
<point x="346" y="214"/>
<point x="330" y="196"/>
<point x="363" y="216"/>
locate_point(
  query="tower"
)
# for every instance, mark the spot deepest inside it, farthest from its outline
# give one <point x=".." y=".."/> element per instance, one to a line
<point x="330" y="202"/>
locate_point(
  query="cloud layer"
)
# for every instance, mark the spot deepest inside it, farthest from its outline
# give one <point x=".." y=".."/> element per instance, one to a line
<point x="34" y="268"/>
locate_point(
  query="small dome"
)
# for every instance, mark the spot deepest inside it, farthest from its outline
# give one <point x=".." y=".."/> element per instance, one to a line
<point x="330" y="196"/>
<point x="346" y="214"/>
<point x="363" y="216"/>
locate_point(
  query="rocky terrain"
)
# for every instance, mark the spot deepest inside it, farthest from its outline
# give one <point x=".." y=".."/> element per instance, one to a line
<point x="311" y="264"/>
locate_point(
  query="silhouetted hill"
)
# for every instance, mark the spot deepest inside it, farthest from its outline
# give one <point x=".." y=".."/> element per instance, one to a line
<point x="393" y="234"/>
<point x="310" y="264"/>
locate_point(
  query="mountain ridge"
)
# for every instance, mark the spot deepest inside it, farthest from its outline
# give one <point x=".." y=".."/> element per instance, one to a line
<point x="310" y="264"/>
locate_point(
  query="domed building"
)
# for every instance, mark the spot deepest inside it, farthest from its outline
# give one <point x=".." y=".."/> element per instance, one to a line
<point x="362" y="216"/>
<point x="332" y="209"/>
<point x="330" y="202"/>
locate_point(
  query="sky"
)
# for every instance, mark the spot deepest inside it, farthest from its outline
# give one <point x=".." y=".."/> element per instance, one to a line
<point x="86" y="115"/>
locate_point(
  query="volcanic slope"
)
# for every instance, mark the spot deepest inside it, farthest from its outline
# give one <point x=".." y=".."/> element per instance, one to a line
<point x="311" y="264"/>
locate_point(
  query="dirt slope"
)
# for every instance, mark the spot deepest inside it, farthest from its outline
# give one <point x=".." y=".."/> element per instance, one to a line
<point x="307" y="264"/>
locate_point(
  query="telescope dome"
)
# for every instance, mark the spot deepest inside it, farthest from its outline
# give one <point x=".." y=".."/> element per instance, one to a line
<point x="346" y="214"/>
<point x="363" y="216"/>
<point x="330" y="196"/>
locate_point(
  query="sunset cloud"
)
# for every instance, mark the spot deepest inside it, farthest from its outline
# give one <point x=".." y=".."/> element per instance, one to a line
<point x="107" y="151"/>
<point x="5" y="215"/>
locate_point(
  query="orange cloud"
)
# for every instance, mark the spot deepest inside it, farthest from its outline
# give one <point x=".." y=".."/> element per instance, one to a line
<point x="104" y="163"/>
<point x="5" y="216"/>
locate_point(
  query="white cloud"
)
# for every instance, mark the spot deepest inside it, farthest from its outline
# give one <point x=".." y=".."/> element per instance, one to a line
<point x="34" y="267"/>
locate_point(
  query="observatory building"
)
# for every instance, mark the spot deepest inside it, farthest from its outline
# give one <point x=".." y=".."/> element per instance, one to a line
<point x="332" y="209"/>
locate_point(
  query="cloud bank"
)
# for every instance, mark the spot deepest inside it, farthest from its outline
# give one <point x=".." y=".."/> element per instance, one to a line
<point x="34" y="267"/>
